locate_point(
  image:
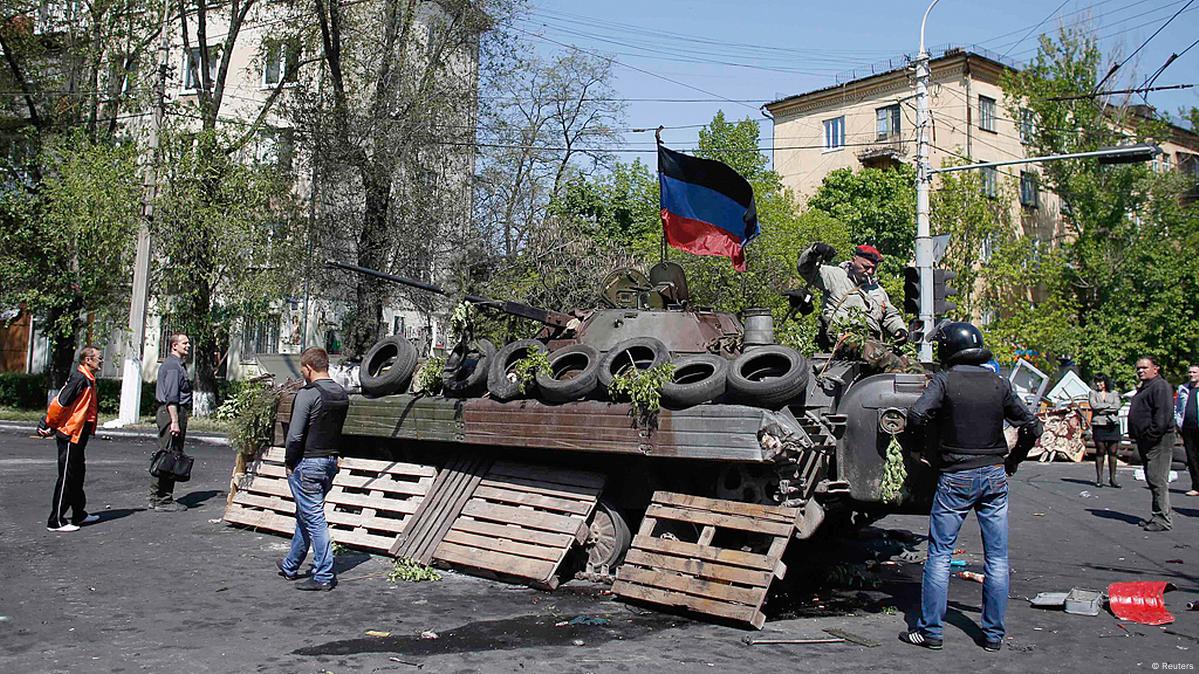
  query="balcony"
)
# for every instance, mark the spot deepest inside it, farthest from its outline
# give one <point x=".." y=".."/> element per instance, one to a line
<point x="884" y="152"/>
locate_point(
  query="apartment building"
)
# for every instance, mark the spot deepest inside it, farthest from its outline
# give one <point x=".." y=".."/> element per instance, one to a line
<point x="870" y="122"/>
<point x="260" y="61"/>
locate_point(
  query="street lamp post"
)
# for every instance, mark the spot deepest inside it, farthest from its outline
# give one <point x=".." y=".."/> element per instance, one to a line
<point x="924" y="240"/>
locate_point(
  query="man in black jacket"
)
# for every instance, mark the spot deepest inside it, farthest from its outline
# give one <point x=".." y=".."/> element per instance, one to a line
<point x="1151" y="425"/>
<point x="313" y="445"/>
<point x="968" y="404"/>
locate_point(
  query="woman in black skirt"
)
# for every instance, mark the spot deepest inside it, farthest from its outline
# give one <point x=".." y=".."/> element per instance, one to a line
<point x="1105" y="427"/>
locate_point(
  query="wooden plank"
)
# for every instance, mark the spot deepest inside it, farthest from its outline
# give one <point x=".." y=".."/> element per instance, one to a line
<point x="382" y="484"/>
<point x="549" y="503"/>
<point x="376" y="501"/>
<point x="459" y="487"/>
<point x="275" y="503"/>
<point x="388" y="467"/>
<point x="512" y="532"/>
<point x="527" y="517"/>
<point x="687" y="585"/>
<point x="747" y="560"/>
<point x="270" y="470"/>
<point x="699" y="568"/>
<point x="392" y="524"/>
<point x="747" y="614"/>
<point x="719" y="520"/>
<point x="270" y="486"/>
<point x="262" y="519"/>
<point x="774" y="513"/>
<point x="533" y="486"/>
<point x="537" y="570"/>
<point x="501" y="545"/>
<point x="359" y="539"/>
<point x="552" y="475"/>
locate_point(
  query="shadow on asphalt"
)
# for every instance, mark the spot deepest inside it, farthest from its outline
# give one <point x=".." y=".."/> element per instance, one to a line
<point x="197" y="498"/>
<point x="1187" y="512"/>
<point x="1089" y="483"/>
<point x="116" y="514"/>
<point x="1114" y="515"/>
<point x="511" y="633"/>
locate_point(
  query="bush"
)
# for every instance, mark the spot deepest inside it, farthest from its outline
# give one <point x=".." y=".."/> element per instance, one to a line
<point x="23" y="391"/>
<point x="110" y="396"/>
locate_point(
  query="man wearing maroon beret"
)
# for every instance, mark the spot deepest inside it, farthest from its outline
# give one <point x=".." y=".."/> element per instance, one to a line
<point x="851" y="292"/>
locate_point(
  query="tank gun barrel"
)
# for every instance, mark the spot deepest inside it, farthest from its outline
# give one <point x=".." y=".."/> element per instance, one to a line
<point x="554" y="319"/>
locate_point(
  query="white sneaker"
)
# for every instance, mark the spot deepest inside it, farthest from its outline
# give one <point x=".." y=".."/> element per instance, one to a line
<point x="90" y="519"/>
<point x="66" y="528"/>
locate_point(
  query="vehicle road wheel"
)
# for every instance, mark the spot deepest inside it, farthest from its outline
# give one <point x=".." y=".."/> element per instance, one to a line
<point x="769" y="376"/>
<point x="639" y="352"/>
<point x="608" y="539"/>
<point x="498" y="384"/>
<point x="572" y="374"/>
<point x="387" y="366"/>
<point x="466" y="369"/>
<point x="697" y="379"/>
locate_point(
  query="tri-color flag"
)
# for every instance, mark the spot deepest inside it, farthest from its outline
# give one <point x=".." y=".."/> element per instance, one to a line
<point x="707" y="208"/>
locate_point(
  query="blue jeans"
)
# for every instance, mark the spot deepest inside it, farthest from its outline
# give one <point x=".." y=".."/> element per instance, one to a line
<point x="310" y="482"/>
<point x="983" y="490"/>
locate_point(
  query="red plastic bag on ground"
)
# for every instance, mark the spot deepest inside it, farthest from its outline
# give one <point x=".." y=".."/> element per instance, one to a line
<point x="1140" y="601"/>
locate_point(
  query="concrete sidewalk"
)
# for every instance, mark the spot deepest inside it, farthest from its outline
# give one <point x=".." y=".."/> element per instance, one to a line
<point x="112" y="433"/>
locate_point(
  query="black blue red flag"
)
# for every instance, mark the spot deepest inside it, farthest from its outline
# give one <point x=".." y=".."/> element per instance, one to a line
<point x="707" y="207"/>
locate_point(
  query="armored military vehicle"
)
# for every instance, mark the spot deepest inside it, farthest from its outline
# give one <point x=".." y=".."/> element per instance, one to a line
<point x="744" y="419"/>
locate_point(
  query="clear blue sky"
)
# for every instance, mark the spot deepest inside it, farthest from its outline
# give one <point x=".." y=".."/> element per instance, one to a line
<point x="753" y="51"/>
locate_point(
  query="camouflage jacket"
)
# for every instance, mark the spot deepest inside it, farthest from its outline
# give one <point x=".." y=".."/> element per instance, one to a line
<point x="842" y="295"/>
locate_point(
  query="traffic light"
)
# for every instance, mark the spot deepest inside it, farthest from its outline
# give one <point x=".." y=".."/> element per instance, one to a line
<point x="942" y="292"/>
<point x="911" y="290"/>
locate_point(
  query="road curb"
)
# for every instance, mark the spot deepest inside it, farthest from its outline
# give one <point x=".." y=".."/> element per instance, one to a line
<point x="206" y="438"/>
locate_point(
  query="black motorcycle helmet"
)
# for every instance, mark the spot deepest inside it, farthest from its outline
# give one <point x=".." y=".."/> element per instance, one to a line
<point x="960" y="344"/>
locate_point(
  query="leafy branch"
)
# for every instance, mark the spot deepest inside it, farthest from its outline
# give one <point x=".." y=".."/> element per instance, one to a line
<point x="643" y="388"/>
<point x="525" y="370"/>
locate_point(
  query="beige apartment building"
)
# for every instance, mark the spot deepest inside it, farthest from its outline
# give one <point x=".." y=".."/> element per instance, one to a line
<point x="870" y="122"/>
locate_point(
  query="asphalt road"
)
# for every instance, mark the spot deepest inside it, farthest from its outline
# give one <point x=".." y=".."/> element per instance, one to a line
<point x="180" y="592"/>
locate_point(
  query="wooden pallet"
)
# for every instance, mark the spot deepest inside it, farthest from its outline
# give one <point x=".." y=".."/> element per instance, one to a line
<point x="454" y="486"/>
<point x="369" y="505"/>
<point x="674" y="562"/>
<point x="521" y="521"/>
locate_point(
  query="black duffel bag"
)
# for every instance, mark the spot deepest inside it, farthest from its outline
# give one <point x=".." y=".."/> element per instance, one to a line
<point x="175" y="465"/>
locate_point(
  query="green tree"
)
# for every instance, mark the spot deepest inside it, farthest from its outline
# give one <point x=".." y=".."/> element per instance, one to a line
<point x="224" y="254"/>
<point x="1125" y="229"/>
<point x="879" y="208"/>
<point x="63" y="234"/>
<point x="977" y="225"/>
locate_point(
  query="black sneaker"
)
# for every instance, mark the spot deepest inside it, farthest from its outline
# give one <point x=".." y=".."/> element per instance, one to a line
<point x="285" y="574"/>
<point x="992" y="646"/>
<point x="311" y="585"/>
<point x="1156" y="526"/>
<point x="917" y="638"/>
<point x="169" y="507"/>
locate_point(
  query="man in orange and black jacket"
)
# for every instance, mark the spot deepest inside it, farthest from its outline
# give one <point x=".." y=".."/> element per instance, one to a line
<point x="71" y="418"/>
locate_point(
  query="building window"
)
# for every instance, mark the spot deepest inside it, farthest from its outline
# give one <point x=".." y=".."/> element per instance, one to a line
<point x="191" y="67"/>
<point x="397" y="326"/>
<point x="1028" y="125"/>
<point x="986" y="113"/>
<point x="834" y="133"/>
<point x="987" y="249"/>
<point x="166" y="329"/>
<point x="887" y="122"/>
<point x="990" y="178"/>
<point x="1028" y="189"/>
<point x="281" y="59"/>
<point x="275" y="147"/>
<point x="260" y="336"/>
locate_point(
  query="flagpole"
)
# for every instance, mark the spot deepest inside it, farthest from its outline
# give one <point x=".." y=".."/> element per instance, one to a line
<point x="662" y="234"/>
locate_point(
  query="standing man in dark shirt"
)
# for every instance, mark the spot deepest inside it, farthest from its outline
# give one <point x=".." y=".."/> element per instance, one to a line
<point x="969" y="405"/>
<point x="313" y="445"/>
<point x="1151" y="425"/>
<point x="71" y="417"/>
<point x="174" y="396"/>
<point x="1186" y="417"/>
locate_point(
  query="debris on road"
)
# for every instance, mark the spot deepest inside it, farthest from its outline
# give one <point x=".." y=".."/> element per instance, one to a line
<point x="1140" y="601"/>
<point x="377" y="633"/>
<point x="971" y="576"/>
<point x="582" y="620"/>
<point x="836" y="636"/>
<point x="429" y="634"/>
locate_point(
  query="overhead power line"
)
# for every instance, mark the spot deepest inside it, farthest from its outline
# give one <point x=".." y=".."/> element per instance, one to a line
<point x="1138" y="49"/>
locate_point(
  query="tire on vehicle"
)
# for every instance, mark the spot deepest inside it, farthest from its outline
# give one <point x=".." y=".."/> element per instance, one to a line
<point x="639" y="352"/>
<point x="697" y="378"/>
<point x="572" y="374"/>
<point x="387" y="366"/>
<point x="769" y="376"/>
<point x="498" y="383"/>
<point x="465" y="371"/>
